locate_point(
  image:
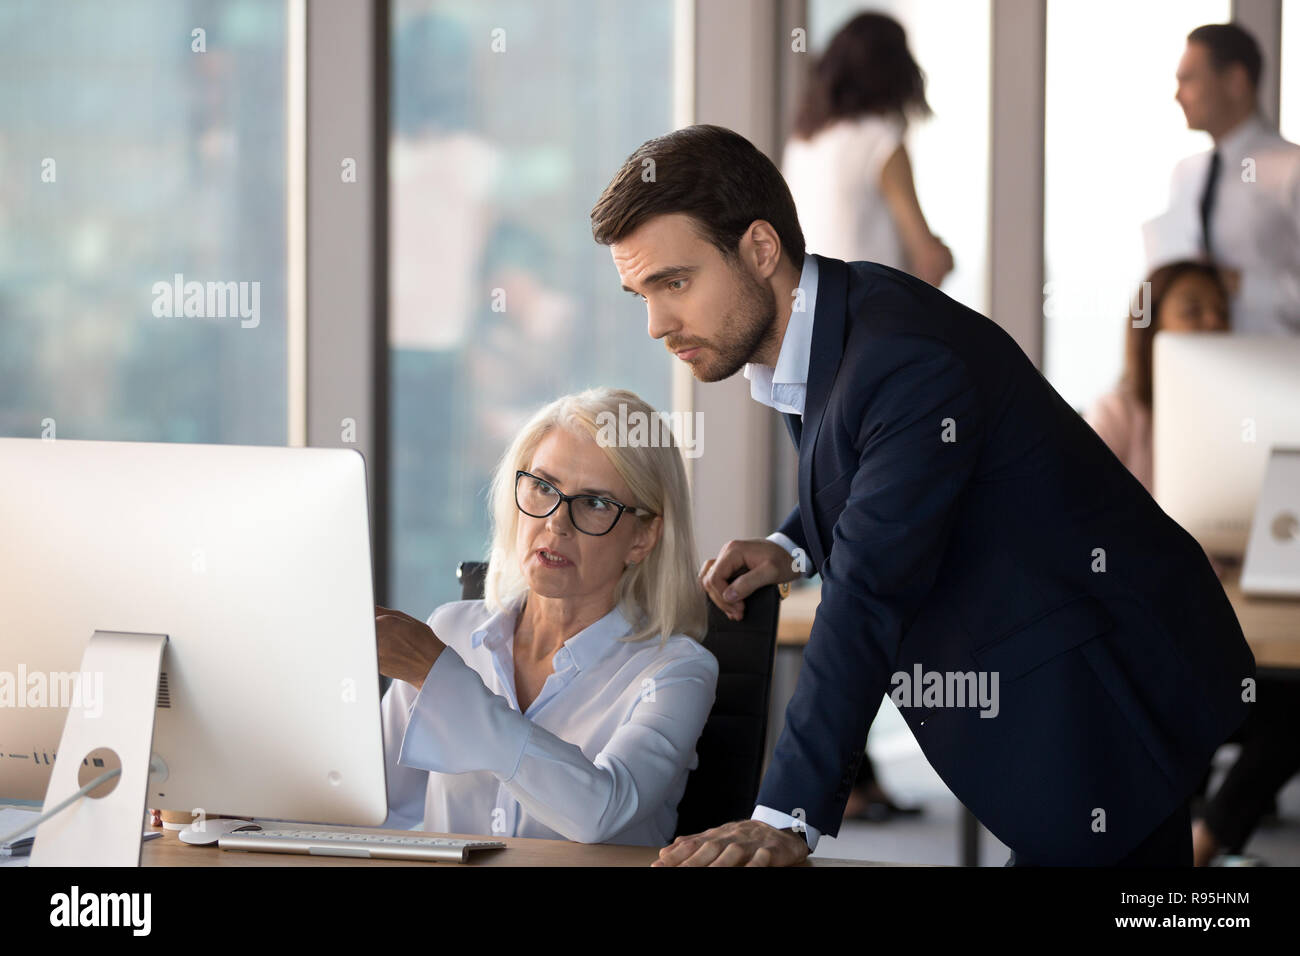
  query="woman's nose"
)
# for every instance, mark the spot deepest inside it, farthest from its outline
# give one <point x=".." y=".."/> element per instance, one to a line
<point x="558" y="521"/>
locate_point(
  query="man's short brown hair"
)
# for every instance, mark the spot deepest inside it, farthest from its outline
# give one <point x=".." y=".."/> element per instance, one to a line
<point x="715" y="176"/>
<point x="1228" y="44"/>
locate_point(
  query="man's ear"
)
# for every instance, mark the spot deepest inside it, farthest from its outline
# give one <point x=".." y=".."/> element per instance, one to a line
<point x="763" y="246"/>
<point x="1239" y="82"/>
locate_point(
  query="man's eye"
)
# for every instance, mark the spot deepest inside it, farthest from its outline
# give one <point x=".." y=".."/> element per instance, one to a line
<point x="673" y="284"/>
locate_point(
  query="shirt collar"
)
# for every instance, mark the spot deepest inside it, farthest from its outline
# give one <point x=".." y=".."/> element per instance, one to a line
<point x="1237" y="142"/>
<point x="796" y="345"/>
<point x="584" y="649"/>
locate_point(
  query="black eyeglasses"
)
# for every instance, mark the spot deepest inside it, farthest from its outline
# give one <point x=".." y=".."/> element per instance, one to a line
<point x="590" y="514"/>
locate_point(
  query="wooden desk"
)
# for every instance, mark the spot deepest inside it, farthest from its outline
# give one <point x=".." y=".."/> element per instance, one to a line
<point x="1271" y="625"/>
<point x="168" y="850"/>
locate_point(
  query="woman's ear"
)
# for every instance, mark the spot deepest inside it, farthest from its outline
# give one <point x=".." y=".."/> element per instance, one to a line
<point x="647" y="536"/>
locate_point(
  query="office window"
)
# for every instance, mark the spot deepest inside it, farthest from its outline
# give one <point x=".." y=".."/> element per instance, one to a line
<point x="1289" y="106"/>
<point x="142" y="152"/>
<point x="1113" y="136"/>
<point x="507" y="120"/>
<point x="950" y="150"/>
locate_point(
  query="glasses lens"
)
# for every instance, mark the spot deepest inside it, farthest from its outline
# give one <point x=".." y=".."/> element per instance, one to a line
<point x="593" y="515"/>
<point x="534" y="496"/>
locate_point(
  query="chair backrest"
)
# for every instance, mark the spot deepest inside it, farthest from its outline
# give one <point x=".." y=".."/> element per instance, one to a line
<point x="472" y="576"/>
<point x="724" y="786"/>
<point x="731" y="748"/>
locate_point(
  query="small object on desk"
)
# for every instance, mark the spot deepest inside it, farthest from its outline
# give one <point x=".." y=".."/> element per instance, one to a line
<point x="360" y="844"/>
<point x="213" y="830"/>
<point x="13" y="820"/>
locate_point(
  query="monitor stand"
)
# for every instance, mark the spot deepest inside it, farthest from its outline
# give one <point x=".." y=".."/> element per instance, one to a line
<point x="105" y="831"/>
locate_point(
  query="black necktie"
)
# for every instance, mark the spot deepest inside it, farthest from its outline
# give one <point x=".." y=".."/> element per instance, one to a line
<point x="1207" y="203"/>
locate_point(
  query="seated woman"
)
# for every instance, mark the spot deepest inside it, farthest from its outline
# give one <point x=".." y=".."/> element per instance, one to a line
<point x="1184" y="296"/>
<point x="568" y="703"/>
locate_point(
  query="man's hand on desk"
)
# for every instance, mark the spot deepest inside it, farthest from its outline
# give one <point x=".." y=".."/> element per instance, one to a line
<point x="743" y="843"/>
<point x="407" y="648"/>
<point x="767" y="563"/>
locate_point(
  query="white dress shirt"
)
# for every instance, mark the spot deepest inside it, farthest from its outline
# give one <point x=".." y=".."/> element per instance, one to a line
<point x="785" y="388"/>
<point x="601" y="756"/>
<point x="1254" y="223"/>
<point x="835" y="181"/>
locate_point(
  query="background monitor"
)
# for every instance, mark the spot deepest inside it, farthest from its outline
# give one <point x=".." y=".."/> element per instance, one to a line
<point x="1221" y="403"/>
<point x="1272" y="565"/>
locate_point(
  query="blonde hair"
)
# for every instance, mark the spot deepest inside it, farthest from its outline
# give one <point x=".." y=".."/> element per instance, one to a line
<point x="659" y="595"/>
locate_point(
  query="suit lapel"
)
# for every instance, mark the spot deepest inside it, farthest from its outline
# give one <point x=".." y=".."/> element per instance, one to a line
<point x="829" y="323"/>
<point x="794" y="425"/>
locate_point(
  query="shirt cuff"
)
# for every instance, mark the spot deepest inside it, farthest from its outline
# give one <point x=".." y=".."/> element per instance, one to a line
<point x="457" y="725"/>
<point x="783" y="821"/>
<point x="785" y="542"/>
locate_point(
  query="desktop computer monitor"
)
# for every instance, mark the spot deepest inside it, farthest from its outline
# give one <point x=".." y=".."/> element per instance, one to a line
<point x="255" y="564"/>
<point x="1221" y="403"/>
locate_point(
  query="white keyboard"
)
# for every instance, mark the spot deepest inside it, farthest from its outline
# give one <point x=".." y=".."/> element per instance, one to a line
<point x="354" y="843"/>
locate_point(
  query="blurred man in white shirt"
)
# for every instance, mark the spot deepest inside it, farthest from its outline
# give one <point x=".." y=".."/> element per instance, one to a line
<point x="1239" y="203"/>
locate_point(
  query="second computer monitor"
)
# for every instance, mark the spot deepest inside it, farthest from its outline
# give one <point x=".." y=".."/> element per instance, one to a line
<point x="1221" y="403"/>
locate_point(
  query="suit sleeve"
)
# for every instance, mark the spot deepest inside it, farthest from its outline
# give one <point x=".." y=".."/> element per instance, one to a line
<point x="791" y="537"/>
<point x="792" y="528"/>
<point x="919" y="438"/>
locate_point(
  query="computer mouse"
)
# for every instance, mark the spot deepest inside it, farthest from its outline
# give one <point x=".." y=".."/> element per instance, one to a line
<point x="214" y="830"/>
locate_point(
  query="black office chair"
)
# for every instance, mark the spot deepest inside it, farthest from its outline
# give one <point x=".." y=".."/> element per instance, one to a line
<point x="472" y="576"/>
<point x="731" y="747"/>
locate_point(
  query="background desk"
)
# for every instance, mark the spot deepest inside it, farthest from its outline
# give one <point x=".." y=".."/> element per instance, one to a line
<point x="1271" y="626"/>
<point x="168" y="850"/>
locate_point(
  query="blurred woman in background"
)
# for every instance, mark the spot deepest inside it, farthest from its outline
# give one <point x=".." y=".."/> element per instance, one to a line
<point x="1182" y="296"/>
<point x="846" y="165"/>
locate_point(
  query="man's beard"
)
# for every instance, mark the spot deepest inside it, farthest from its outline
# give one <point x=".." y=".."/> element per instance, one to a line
<point x="750" y="327"/>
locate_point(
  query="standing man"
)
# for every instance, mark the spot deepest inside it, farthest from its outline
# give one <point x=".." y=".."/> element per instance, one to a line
<point x="970" y="530"/>
<point x="1239" y="203"/>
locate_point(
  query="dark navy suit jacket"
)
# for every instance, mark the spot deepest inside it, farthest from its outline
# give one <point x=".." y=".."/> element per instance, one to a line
<point x="963" y="517"/>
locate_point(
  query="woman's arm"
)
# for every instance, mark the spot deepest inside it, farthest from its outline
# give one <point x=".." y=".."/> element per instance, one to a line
<point x="457" y="725"/>
<point x="928" y="258"/>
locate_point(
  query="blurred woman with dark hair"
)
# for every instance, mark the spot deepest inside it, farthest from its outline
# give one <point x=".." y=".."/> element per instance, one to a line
<point x="1182" y="296"/>
<point x="847" y="166"/>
